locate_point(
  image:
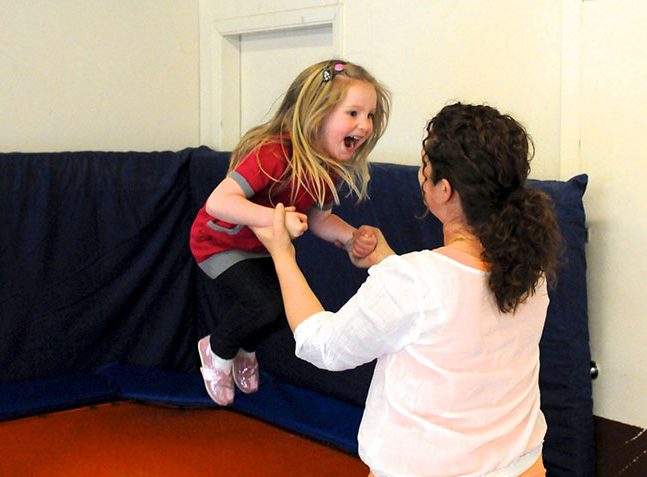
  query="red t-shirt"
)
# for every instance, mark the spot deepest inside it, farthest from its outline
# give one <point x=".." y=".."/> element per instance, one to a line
<point x="256" y="174"/>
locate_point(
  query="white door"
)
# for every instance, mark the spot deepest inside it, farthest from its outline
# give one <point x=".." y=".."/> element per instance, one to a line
<point x="270" y="61"/>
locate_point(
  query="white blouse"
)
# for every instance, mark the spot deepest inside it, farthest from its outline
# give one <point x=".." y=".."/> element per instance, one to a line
<point x="455" y="390"/>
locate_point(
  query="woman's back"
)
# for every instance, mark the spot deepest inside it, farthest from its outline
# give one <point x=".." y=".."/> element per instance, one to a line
<point x="464" y="397"/>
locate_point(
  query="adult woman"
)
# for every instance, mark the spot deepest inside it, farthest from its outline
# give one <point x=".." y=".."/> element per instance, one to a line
<point x="455" y="330"/>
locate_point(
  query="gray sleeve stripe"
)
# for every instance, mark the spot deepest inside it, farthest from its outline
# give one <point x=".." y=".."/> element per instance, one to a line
<point x="242" y="182"/>
<point x="218" y="228"/>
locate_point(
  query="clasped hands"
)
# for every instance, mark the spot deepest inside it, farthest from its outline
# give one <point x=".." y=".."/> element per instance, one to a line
<point x="367" y="247"/>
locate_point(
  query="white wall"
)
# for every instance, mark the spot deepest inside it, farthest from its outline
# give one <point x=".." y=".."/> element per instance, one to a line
<point x="613" y="148"/>
<point x="430" y="52"/>
<point x="572" y="72"/>
<point x="85" y="74"/>
<point x="97" y="74"/>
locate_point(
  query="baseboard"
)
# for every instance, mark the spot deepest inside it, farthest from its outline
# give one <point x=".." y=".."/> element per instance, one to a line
<point x="621" y="449"/>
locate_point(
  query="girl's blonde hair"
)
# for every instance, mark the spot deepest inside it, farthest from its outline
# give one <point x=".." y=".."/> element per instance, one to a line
<point x="309" y="99"/>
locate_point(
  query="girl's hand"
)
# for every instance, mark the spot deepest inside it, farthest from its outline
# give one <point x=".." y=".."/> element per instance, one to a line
<point x="362" y="244"/>
<point x="296" y="223"/>
<point x="380" y="251"/>
<point x="276" y="238"/>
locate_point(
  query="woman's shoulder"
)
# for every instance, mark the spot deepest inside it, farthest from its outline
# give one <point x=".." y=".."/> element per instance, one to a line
<point x="462" y="258"/>
<point x="426" y="262"/>
<point x="409" y="261"/>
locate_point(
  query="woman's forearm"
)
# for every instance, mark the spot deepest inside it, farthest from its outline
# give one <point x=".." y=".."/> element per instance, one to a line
<point x="299" y="300"/>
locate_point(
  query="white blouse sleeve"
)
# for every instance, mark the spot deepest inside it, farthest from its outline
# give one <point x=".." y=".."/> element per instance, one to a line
<point x="381" y="318"/>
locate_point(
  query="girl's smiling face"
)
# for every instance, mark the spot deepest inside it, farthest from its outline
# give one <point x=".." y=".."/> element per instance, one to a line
<point x="350" y="123"/>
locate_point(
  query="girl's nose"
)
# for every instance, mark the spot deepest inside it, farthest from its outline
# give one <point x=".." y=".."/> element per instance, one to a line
<point x="366" y="124"/>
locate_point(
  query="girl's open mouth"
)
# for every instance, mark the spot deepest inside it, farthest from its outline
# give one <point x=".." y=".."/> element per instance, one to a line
<point x="351" y="142"/>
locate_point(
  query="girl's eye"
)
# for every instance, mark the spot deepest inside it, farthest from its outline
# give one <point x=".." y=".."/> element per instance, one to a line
<point x="371" y="116"/>
<point x="352" y="114"/>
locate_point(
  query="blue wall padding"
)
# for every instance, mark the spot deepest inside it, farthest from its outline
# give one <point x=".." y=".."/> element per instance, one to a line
<point x="95" y="269"/>
<point x="39" y="396"/>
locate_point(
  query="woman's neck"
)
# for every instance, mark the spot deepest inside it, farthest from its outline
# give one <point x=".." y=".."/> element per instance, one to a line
<point x="459" y="237"/>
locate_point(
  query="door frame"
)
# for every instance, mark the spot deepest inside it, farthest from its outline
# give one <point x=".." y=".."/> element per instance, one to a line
<point x="220" y="62"/>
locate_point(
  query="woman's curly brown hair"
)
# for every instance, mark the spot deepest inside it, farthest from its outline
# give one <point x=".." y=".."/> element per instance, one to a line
<point x="485" y="155"/>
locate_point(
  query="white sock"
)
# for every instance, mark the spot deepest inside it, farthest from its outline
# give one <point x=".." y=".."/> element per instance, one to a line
<point x="246" y="354"/>
<point x="220" y="363"/>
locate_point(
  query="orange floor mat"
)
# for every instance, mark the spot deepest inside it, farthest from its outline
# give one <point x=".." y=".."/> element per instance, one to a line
<point x="137" y="440"/>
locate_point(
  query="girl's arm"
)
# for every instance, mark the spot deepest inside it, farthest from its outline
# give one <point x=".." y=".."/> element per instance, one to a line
<point x="330" y="227"/>
<point x="228" y="202"/>
<point x="357" y="242"/>
<point x="299" y="300"/>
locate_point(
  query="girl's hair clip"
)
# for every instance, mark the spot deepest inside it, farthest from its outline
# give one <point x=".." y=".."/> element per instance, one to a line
<point x="328" y="73"/>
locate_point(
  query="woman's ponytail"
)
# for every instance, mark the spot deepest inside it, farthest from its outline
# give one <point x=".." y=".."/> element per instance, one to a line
<point x="521" y="245"/>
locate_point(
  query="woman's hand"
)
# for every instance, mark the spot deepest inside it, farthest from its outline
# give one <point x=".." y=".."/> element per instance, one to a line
<point x="379" y="252"/>
<point x="276" y="238"/>
<point x="298" y="298"/>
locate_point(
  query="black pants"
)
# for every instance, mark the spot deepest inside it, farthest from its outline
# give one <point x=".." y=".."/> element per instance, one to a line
<point x="256" y="310"/>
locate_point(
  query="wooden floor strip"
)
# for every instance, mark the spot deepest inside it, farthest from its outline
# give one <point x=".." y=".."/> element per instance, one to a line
<point x="137" y="440"/>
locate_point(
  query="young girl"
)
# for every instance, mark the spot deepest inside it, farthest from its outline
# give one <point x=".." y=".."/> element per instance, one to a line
<point x="330" y="119"/>
<point x="455" y="330"/>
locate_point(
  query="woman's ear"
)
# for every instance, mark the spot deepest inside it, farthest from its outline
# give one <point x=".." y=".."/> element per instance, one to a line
<point x="446" y="189"/>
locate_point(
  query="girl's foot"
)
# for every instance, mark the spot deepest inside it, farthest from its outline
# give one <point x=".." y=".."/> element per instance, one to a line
<point x="245" y="372"/>
<point x="218" y="382"/>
